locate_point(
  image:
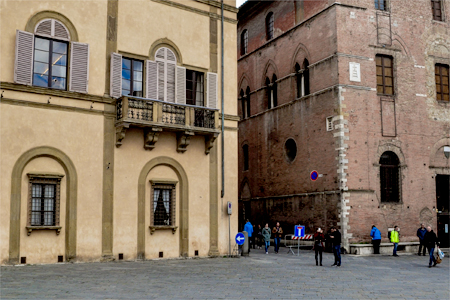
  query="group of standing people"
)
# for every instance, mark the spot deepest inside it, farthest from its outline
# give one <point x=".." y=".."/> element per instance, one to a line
<point x="263" y="235"/>
<point x="334" y="238"/>
<point x="427" y="237"/>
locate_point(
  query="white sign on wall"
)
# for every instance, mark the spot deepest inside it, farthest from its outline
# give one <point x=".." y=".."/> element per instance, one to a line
<point x="355" y="71"/>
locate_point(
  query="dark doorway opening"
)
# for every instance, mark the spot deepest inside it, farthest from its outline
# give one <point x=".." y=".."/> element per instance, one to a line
<point x="442" y="206"/>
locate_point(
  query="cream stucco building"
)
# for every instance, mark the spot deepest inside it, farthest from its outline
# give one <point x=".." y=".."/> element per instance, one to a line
<point x="111" y="133"/>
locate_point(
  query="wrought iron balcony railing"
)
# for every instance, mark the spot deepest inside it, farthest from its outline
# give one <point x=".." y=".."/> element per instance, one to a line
<point x="157" y="116"/>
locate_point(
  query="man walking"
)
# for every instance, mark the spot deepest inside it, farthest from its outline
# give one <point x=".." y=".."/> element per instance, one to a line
<point x="249" y="228"/>
<point x="277" y="231"/>
<point x="376" y="239"/>
<point x="430" y="239"/>
<point x="395" y="239"/>
<point x="336" y="240"/>
<point x="421" y="234"/>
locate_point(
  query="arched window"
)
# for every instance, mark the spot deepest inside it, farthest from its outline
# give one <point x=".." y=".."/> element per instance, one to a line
<point x="269" y="26"/>
<point x="245" y="150"/>
<point x="167" y="66"/>
<point x="271" y="92"/>
<point x="247" y="96"/>
<point x="274" y="91"/>
<point x="244" y="42"/>
<point x="42" y="58"/>
<point x="242" y="99"/>
<point x="306" y="76"/>
<point x="389" y="177"/>
<point x="298" y="80"/>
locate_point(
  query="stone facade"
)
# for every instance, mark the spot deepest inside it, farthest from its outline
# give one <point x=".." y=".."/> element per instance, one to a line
<point x="343" y="126"/>
<point x="111" y="155"/>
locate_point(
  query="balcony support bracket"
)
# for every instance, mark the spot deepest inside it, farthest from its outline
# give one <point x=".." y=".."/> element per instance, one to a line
<point x="120" y="133"/>
<point x="209" y="142"/>
<point x="183" y="140"/>
<point x="151" y="137"/>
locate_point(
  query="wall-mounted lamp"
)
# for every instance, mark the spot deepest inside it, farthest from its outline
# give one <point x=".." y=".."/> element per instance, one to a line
<point x="447" y="151"/>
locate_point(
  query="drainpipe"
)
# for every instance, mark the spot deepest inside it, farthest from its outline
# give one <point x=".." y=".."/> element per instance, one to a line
<point x="221" y="87"/>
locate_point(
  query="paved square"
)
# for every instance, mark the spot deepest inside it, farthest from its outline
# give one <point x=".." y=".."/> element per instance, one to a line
<point x="260" y="276"/>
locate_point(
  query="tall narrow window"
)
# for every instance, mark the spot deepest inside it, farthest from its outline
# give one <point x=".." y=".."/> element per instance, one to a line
<point x="195" y="88"/>
<point x="132" y="70"/>
<point x="298" y="80"/>
<point x="385" y="77"/>
<point x="242" y="99"/>
<point x="247" y="97"/>
<point x="244" y="42"/>
<point x="50" y="63"/>
<point x="269" y="26"/>
<point x="442" y="82"/>
<point x="163" y="204"/>
<point x="436" y="10"/>
<point x="274" y="91"/>
<point x="381" y="4"/>
<point x="389" y="177"/>
<point x="245" y="150"/>
<point x="306" y="76"/>
<point x="271" y="92"/>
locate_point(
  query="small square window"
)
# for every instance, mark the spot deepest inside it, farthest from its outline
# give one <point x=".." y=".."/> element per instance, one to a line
<point x="381" y="5"/>
<point x="330" y="124"/>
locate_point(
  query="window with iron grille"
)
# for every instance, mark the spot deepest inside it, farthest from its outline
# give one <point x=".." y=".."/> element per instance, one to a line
<point x="269" y="26"/>
<point x="132" y="74"/>
<point x="436" y="8"/>
<point x="44" y="200"/>
<point x="195" y="89"/>
<point x="381" y="4"/>
<point x="163" y="204"/>
<point x="244" y="42"/>
<point x="50" y="63"/>
<point x="442" y="82"/>
<point x="389" y="177"/>
<point x="385" y="75"/>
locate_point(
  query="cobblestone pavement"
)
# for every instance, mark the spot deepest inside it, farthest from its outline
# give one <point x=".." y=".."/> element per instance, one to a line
<point x="260" y="276"/>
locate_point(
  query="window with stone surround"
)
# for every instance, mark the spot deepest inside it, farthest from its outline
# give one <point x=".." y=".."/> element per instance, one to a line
<point x="389" y="177"/>
<point x="385" y="75"/>
<point x="44" y="201"/>
<point x="436" y="8"/>
<point x="162" y="203"/>
<point x="442" y="82"/>
<point x="272" y="98"/>
<point x="244" y="42"/>
<point x="269" y="26"/>
<point x="381" y="5"/>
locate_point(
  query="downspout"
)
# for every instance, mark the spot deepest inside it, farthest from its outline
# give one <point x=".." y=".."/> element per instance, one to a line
<point x="221" y="88"/>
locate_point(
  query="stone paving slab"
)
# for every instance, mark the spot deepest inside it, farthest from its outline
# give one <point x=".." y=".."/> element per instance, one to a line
<point x="259" y="276"/>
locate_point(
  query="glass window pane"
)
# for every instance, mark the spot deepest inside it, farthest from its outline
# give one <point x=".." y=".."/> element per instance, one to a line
<point x="42" y="44"/>
<point x="41" y="56"/>
<point x="387" y="62"/>
<point x="444" y="71"/>
<point x="126" y="64"/>
<point x="380" y="89"/>
<point x="445" y="91"/>
<point x="388" y="81"/>
<point x="48" y="218"/>
<point x="58" y="83"/>
<point x="389" y="91"/>
<point x="438" y="79"/>
<point x="59" y="71"/>
<point x="35" y="218"/>
<point x="59" y="59"/>
<point x="36" y="204"/>
<point x="126" y="92"/>
<point x="137" y="65"/>
<point x="380" y="71"/>
<point x="379" y="80"/>
<point x="59" y="47"/>
<point x="378" y="60"/>
<point x="126" y="84"/>
<point x="137" y="86"/>
<point x="40" y="80"/>
<point x="40" y="68"/>
<point x="126" y="74"/>
<point x="137" y="76"/>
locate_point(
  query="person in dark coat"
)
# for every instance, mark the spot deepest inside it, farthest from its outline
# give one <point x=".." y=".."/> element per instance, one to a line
<point x="318" y="245"/>
<point x="376" y="239"/>
<point x="430" y="240"/>
<point x="421" y="234"/>
<point x="336" y="240"/>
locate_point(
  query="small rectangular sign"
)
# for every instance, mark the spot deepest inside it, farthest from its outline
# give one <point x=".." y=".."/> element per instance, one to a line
<point x="229" y="207"/>
<point x="299" y="231"/>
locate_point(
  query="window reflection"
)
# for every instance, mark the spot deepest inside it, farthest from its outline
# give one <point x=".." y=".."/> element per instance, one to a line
<point x="47" y="50"/>
<point x="132" y="77"/>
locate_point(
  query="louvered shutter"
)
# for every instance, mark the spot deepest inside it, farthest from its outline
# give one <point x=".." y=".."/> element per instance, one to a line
<point x="23" y="67"/>
<point x="161" y="80"/>
<point x="115" y="88"/>
<point x="212" y="90"/>
<point x="171" y="73"/>
<point x="152" y="80"/>
<point x="52" y="28"/>
<point x="44" y="28"/>
<point x="60" y="31"/>
<point x="181" y="85"/>
<point x="79" y="67"/>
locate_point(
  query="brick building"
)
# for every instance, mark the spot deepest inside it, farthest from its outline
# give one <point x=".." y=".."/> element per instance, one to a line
<point x="357" y="91"/>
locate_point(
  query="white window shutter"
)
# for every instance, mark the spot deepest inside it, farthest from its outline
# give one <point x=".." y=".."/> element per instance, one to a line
<point x="115" y="88"/>
<point x="23" y="67"/>
<point x="171" y="75"/>
<point x="44" y="28"/>
<point x="79" y="67"/>
<point x="52" y="28"/>
<point x="161" y="81"/>
<point x="181" y="85"/>
<point x="212" y="90"/>
<point x="60" y="31"/>
<point x="152" y="80"/>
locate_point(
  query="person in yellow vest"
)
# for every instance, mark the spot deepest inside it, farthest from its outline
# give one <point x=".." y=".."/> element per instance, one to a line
<point x="395" y="239"/>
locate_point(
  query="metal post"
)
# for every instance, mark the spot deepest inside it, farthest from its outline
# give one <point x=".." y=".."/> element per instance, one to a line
<point x="221" y="87"/>
<point x="229" y="236"/>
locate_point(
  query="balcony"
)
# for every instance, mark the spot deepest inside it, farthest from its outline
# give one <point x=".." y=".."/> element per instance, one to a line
<point x="156" y="116"/>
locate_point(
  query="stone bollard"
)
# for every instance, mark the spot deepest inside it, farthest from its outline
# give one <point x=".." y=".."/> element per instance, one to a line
<point x="245" y="246"/>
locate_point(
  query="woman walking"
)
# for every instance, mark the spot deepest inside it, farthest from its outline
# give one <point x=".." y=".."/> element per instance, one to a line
<point x="319" y="237"/>
<point x="266" y="232"/>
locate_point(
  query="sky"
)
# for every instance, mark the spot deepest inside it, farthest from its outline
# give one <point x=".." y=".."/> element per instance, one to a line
<point x="239" y="2"/>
